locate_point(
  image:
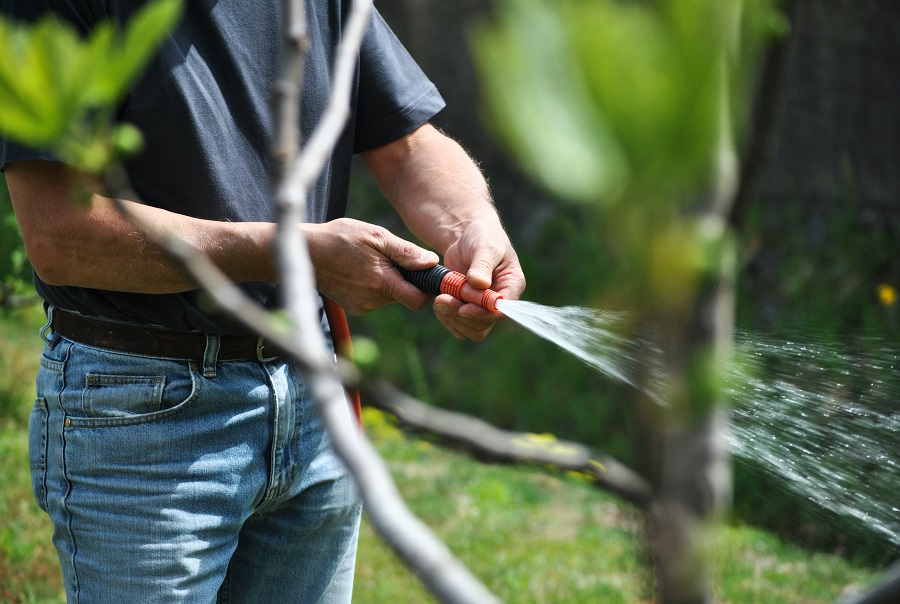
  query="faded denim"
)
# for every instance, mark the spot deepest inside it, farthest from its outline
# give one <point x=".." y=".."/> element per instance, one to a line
<point x="170" y="481"/>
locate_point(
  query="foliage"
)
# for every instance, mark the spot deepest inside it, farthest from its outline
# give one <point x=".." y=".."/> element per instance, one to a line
<point x="88" y="77"/>
<point x="633" y="107"/>
<point x="830" y="274"/>
<point x="29" y="568"/>
<point x="15" y="270"/>
<point x="617" y="95"/>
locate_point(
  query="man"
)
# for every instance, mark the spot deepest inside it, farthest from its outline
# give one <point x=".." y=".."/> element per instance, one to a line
<point x="178" y="460"/>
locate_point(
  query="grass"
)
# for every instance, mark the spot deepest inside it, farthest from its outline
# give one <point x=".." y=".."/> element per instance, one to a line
<point x="530" y="535"/>
<point x="29" y="569"/>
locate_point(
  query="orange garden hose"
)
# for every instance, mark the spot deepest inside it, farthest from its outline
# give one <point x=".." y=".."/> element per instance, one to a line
<point x="343" y="346"/>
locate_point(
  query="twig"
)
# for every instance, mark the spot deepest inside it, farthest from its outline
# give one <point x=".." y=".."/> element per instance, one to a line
<point x="493" y="444"/>
<point x="765" y="118"/>
<point x="419" y="548"/>
<point x="308" y="165"/>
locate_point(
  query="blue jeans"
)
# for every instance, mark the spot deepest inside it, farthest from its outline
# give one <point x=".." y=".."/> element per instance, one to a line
<point x="192" y="482"/>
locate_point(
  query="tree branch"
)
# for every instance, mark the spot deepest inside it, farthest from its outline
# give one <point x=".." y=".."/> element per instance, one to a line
<point x="419" y="548"/>
<point x="302" y="336"/>
<point x="488" y="442"/>
<point x="308" y="165"/>
<point x="769" y="101"/>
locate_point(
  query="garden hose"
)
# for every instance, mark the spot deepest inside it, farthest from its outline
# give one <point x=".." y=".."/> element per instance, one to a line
<point x="441" y="280"/>
<point x="343" y="347"/>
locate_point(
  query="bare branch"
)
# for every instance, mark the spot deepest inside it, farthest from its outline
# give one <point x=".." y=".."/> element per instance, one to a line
<point x="295" y="267"/>
<point x="287" y="89"/>
<point x="315" y="153"/>
<point x="422" y="551"/>
<point x="491" y="443"/>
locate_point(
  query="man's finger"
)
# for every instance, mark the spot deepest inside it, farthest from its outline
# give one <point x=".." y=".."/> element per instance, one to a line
<point x="407" y="254"/>
<point x="481" y="270"/>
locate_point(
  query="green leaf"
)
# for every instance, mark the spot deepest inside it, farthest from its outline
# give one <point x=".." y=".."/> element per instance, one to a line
<point x="594" y="96"/>
<point x="136" y="47"/>
<point x="55" y="87"/>
<point x="28" y="111"/>
<point x="127" y="140"/>
<point x="539" y="106"/>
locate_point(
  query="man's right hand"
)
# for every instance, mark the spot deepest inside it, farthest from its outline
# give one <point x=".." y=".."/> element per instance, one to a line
<point x="354" y="264"/>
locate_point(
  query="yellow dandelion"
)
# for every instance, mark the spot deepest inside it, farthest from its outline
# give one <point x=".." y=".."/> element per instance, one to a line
<point x="887" y="295"/>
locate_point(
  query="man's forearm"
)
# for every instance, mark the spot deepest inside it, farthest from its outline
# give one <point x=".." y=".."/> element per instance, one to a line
<point x="92" y="245"/>
<point x="435" y="186"/>
<point x="118" y="255"/>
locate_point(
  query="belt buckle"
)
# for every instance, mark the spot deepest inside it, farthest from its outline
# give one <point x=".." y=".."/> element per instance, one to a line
<point x="260" y="346"/>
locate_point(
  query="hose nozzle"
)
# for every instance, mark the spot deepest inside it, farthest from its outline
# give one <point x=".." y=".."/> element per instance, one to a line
<point x="441" y="280"/>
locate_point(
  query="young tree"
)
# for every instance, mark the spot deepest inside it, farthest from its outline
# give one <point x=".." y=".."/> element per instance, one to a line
<point x="636" y="108"/>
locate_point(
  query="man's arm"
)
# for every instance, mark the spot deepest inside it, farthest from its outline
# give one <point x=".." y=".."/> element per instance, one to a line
<point x="443" y="198"/>
<point x="76" y="237"/>
<point x="90" y="244"/>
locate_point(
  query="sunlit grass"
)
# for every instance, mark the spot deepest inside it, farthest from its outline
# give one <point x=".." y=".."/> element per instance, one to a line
<point x="536" y="537"/>
<point x="29" y="569"/>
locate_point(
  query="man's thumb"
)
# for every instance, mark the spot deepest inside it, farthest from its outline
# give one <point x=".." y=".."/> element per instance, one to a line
<point x="409" y="255"/>
<point x="481" y="273"/>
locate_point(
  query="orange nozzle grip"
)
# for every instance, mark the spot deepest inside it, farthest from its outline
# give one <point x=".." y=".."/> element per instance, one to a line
<point x="457" y="285"/>
<point x="441" y="280"/>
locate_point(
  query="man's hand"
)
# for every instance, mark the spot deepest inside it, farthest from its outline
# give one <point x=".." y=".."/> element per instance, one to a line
<point x="444" y="200"/>
<point x="484" y="254"/>
<point x="354" y="263"/>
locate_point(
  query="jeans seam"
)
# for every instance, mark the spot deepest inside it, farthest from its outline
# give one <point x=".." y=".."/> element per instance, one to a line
<point x="63" y="464"/>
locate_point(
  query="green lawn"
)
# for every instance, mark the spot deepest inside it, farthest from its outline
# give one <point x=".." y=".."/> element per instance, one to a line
<point x="531" y="535"/>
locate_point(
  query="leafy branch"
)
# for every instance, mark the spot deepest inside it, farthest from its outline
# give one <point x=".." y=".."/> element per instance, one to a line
<point x="59" y="90"/>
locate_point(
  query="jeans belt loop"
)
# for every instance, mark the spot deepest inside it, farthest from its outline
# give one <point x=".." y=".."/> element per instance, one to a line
<point x="211" y="355"/>
<point x="50" y="337"/>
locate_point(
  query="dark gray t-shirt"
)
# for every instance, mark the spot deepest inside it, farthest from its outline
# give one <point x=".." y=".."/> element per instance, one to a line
<point x="204" y="108"/>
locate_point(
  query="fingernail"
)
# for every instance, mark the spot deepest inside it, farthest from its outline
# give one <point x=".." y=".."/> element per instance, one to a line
<point x="442" y="309"/>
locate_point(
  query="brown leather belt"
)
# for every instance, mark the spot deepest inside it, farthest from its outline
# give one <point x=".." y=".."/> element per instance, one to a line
<point x="155" y="341"/>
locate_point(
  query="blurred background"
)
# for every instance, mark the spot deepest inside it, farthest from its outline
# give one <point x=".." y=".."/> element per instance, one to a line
<point x="819" y="248"/>
<point x="819" y="269"/>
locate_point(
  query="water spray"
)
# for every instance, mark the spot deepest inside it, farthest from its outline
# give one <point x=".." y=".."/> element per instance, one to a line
<point x="441" y="280"/>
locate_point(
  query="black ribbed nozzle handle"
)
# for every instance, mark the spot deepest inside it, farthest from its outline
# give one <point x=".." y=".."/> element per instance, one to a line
<point x="428" y="280"/>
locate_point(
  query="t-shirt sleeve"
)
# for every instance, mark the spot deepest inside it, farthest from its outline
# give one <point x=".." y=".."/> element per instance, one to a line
<point x="394" y="96"/>
<point x="11" y="151"/>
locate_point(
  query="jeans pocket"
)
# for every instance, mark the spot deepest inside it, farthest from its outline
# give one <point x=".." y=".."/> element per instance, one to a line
<point x="38" y="426"/>
<point x="127" y="393"/>
<point x="121" y="395"/>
